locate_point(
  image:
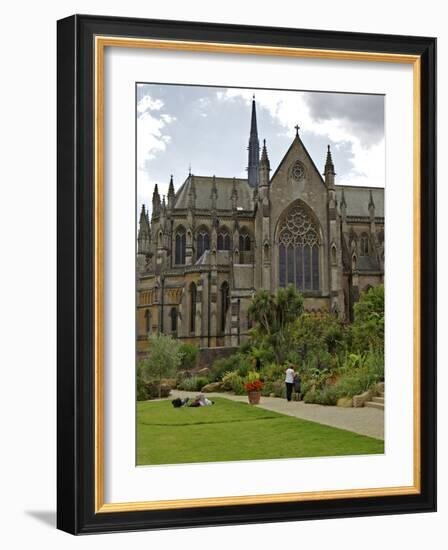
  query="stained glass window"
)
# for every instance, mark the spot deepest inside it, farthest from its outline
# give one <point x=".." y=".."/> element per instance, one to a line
<point x="290" y="264"/>
<point x="282" y="264"/>
<point x="203" y="243"/>
<point x="244" y="242"/>
<point x="364" y="245"/>
<point x="315" y="266"/>
<point x="223" y="241"/>
<point x="307" y="266"/>
<point x="299" y="266"/>
<point x="147" y="321"/>
<point x="180" y="246"/>
<point x="173" y="315"/>
<point x="299" y="250"/>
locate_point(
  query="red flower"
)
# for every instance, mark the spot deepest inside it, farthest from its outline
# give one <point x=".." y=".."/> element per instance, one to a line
<point x="254" y="386"/>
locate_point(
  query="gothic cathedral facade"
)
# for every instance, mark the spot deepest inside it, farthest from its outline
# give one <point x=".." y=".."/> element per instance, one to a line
<point x="205" y="250"/>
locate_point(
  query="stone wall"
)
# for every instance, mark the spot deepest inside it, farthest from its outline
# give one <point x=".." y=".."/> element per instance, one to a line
<point x="208" y="355"/>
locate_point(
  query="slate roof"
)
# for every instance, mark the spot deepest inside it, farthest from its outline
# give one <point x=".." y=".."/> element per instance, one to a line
<point x="203" y="186"/>
<point x="357" y="200"/>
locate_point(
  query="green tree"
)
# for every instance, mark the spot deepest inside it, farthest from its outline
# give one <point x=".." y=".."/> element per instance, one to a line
<point x="261" y="310"/>
<point x="275" y="314"/>
<point x="163" y="358"/>
<point x="368" y="325"/>
<point x="288" y="306"/>
<point x="190" y="354"/>
<point x="318" y="339"/>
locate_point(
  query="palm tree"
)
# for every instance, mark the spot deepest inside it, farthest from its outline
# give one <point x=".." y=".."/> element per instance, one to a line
<point x="289" y="305"/>
<point x="262" y="310"/>
<point x="274" y="314"/>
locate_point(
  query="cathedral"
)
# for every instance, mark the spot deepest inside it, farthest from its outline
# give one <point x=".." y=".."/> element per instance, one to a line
<point x="211" y="244"/>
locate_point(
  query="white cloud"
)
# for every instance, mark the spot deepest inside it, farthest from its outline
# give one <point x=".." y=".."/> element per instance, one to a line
<point x="368" y="166"/>
<point x="146" y="103"/>
<point x="151" y="138"/>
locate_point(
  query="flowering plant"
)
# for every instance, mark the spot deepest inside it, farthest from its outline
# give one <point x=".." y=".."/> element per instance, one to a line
<point x="256" y="385"/>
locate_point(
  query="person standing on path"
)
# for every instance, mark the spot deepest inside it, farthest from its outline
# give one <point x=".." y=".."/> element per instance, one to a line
<point x="289" y="381"/>
<point x="297" y="386"/>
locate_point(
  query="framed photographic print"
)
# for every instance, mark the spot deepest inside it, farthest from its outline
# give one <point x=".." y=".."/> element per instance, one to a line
<point x="246" y="274"/>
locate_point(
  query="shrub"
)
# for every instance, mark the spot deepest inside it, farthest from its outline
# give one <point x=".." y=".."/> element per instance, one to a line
<point x="244" y="365"/>
<point x="368" y="327"/>
<point x="252" y="376"/>
<point x="273" y="372"/>
<point x="151" y="389"/>
<point x="171" y="382"/>
<point x="267" y="389"/>
<point x="260" y="351"/>
<point x="239" y="387"/>
<point x="189" y="354"/>
<point x="142" y="394"/>
<point x="327" y="396"/>
<point x="360" y="372"/>
<point x="223" y="365"/>
<point x="277" y="388"/>
<point x="194" y="383"/>
<point x="306" y="386"/>
<point x="317" y="339"/>
<point x="234" y="382"/>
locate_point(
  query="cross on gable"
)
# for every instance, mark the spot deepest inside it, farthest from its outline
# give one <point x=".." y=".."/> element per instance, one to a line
<point x="297" y="127"/>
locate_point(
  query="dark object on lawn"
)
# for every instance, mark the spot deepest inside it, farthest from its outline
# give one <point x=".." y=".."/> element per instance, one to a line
<point x="178" y="402"/>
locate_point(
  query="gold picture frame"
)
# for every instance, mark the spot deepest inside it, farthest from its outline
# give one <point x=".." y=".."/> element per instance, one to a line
<point x="101" y="33"/>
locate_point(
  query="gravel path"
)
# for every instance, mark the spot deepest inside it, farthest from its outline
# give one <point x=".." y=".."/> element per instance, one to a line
<point x="365" y="420"/>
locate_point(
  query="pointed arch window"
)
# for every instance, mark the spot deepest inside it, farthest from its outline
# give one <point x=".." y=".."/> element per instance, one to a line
<point x="364" y="245"/>
<point x="193" y="304"/>
<point x="299" y="251"/>
<point x="282" y="264"/>
<point x="173" y="317"/>
<point x="223" y="240"/>
<point x="225" y="301"/>
<point x="244" y="242"/>
<point x="180" y="246"/>
<point x="147" y="321"/>
<point x="202" y="242"/>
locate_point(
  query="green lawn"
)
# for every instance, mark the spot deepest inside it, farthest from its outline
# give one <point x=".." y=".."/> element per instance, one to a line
<point x="236" y="431"/>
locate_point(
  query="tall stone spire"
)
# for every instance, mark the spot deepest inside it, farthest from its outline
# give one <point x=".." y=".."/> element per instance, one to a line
<point x="254" y="149"/>
<point x="171" y="194"/>
<point x="329" y="172"/>
<point x="144" y="233"/>
<point x="155" y="202"/>
<point x="265" y="166"/>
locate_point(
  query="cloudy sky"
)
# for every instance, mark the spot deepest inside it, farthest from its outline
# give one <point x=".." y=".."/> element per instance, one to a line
<point x="207" y="128"/>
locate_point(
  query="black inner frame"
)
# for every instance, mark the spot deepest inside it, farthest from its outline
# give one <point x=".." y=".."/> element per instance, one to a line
<point x="75" y="172"/>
